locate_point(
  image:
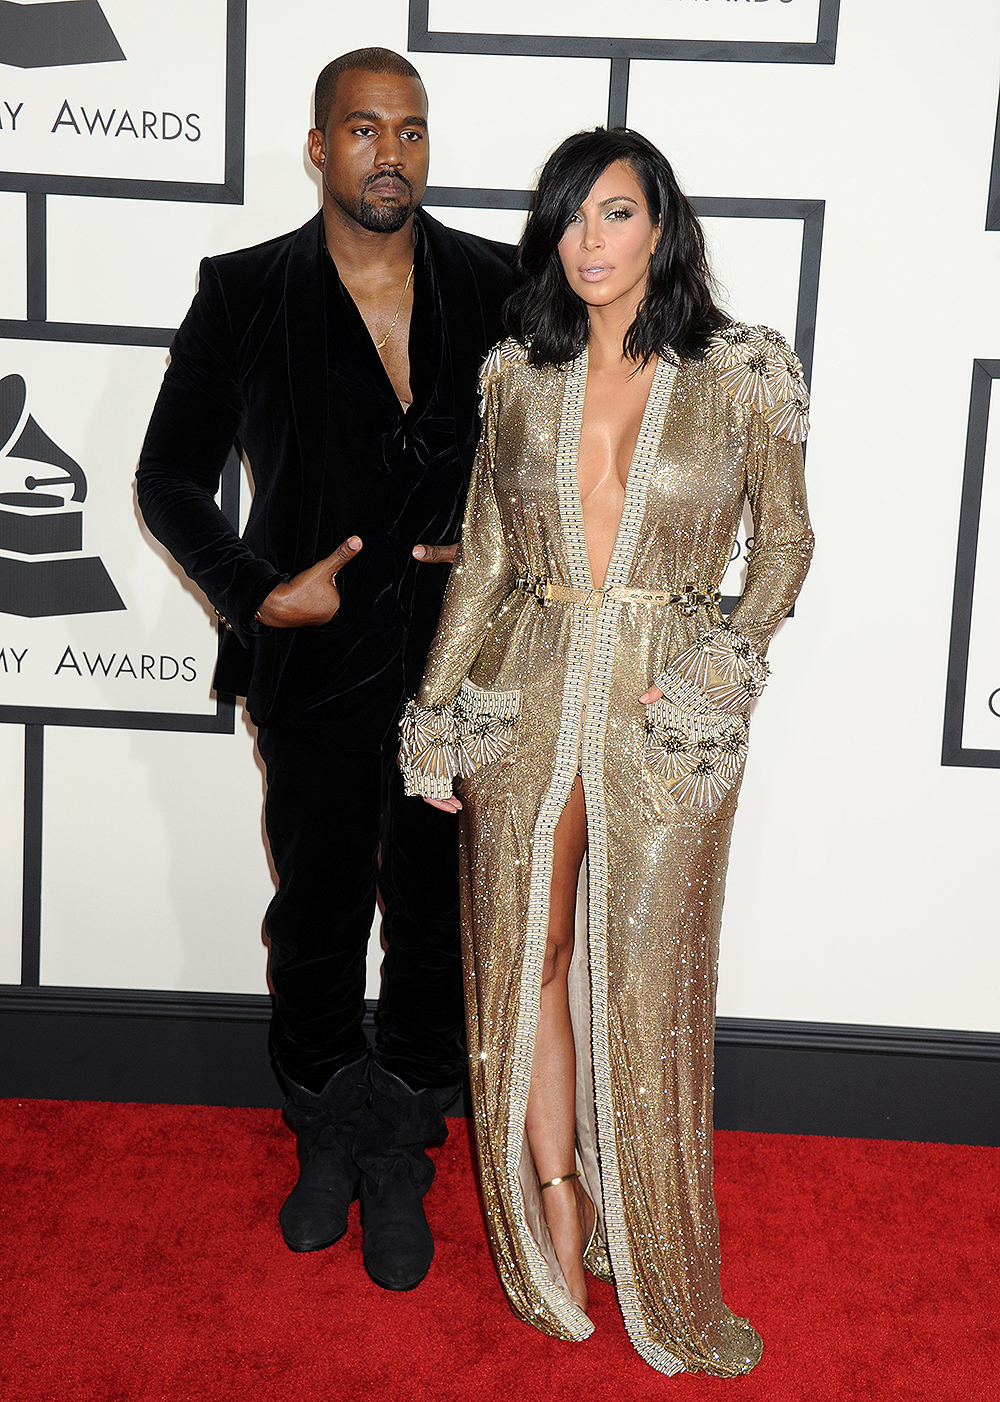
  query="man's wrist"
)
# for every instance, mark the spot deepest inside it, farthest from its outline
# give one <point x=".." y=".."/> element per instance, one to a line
<point x="256" y="626"/>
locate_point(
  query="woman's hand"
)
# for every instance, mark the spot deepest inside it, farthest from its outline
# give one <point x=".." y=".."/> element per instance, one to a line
<point x="653" y="694"/>
<point x="446" y="805"/>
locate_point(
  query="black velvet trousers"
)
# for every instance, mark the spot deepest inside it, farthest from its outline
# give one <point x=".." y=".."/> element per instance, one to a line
<point x="340" y="828"/>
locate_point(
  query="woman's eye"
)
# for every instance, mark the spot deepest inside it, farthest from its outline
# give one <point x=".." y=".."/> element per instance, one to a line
<point x="620" y="214"/>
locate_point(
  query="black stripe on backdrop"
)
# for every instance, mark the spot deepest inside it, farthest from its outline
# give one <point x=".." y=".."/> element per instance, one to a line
<point x="953" y="750"/>
<point x="36" y="247"/>
<point x="993" y="206"/>
<point x="82" y="332"/>
<point x="31" y="878"/>
<point x="618" y="93"/>
<point x="422" y="39"/>
<point x="219" y="722"/>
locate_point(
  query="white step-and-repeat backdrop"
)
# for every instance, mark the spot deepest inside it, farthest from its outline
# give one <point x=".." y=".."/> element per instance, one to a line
<point x="844" y="158"/>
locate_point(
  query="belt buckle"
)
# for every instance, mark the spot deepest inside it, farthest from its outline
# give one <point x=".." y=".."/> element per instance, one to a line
<point x="542" y="589"/>
<point x="691" y="599"/>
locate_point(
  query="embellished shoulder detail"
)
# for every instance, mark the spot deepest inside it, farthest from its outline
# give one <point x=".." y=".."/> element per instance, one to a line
<point x="757" y="366"/>
<point x="508" y="352"/>
<point x="504" y="353"/>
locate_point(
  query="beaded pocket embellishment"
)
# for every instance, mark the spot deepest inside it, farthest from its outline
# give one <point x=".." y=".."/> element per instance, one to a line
<point x="484" y="725"/>
<point x="696" y="736"/>
<point x="699" y="754"/>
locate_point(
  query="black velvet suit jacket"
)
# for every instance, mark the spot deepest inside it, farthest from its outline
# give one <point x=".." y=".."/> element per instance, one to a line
<point x="274" y="356"/>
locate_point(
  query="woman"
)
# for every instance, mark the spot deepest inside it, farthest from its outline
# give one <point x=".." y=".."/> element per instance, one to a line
<point x="586" y="690"/>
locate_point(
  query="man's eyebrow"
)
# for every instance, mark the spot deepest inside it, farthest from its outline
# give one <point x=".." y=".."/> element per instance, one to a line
<point x="366" y="115"/>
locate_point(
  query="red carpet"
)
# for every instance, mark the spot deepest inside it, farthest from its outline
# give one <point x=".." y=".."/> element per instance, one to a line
<point x="142" y="1260"/>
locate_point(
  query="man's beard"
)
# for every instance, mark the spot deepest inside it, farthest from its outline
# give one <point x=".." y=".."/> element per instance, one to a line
<point x="379" y="219"/>
<point x="384" y="219"/>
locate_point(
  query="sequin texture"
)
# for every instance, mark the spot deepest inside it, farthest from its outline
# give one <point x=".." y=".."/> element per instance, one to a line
<point x="556" y="690"/>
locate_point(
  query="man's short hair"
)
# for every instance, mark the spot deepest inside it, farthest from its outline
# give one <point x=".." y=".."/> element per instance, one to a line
<point x="365" y="60"/>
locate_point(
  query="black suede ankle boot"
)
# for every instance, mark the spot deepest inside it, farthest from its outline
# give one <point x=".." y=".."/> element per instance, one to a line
<point x="314" y="1215"/>
<point x="396" y="1173"/>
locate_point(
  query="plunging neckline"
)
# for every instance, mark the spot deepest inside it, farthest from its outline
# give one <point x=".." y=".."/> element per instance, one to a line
<point x="622" y="485"/>
<point x="636" y="483"/>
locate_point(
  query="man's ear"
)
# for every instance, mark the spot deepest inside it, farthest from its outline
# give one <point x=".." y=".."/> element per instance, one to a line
<point x="316" y="146"/>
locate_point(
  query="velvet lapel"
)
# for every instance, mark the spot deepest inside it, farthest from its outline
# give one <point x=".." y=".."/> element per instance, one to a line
<point x="308" y="380"/>
<point x="461" y="315"/>
<point x="427" y="334"/>
<point x="307" y="332"/>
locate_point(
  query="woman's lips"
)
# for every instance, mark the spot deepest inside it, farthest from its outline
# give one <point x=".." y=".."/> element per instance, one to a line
<point x="597" y="273"/>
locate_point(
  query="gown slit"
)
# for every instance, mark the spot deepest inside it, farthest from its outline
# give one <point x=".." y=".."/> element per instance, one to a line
<point x="580" y="749"/>
<point x="545" y="688"/>
<point x="528" y="1173"/>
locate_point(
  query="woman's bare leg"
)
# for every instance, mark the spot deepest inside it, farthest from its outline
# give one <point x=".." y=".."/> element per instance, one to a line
<point x="551" y="1117"/>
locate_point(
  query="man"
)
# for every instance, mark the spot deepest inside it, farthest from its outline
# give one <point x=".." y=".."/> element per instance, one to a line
<point x="343" y="358"/>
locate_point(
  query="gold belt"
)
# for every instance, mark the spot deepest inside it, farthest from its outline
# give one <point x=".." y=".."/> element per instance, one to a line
<point x="690" y="598"/>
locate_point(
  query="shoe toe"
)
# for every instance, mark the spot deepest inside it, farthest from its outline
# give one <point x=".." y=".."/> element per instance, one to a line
<point x="312" y="1221"/>
<point x="402" y="1268"/>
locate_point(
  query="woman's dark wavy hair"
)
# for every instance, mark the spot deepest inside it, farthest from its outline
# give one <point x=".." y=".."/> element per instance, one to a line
<point x="678" y="313"/>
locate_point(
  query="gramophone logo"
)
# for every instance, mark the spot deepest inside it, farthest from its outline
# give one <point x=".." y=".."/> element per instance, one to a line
<point x="43" y="570"/>
<point x="56" y="35"/>
<point x="118" y="90"/>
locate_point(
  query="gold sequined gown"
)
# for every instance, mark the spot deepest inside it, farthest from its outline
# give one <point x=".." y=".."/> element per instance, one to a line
<point x="519" y="695"/>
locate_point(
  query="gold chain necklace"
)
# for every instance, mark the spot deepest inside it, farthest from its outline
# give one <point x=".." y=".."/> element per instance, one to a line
<point x="406" y="284"/>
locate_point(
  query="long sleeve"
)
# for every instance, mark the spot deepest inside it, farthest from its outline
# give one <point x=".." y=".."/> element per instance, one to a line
<point x="192" y="429"/>
<point x="763" y="376"/>
<point x="726" y="667"/>
<point x="482" y="577"/>
<point x="783" y="538"/>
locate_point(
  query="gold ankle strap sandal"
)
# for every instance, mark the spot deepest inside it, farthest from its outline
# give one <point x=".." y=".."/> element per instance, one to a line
<point x="563" y="1178"/>
<point x="595" y="1253"/>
